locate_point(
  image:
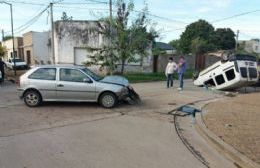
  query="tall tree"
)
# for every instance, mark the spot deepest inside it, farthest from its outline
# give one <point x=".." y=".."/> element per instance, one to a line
<point x="224" y="39"/>
<point x="123" y="41"/>
<point x="2" y="51"/>
<point x="200" y="29"/>
<point x="7" y="38"/>
<point x="65" y="17"/>
<point x="175" y="44"/>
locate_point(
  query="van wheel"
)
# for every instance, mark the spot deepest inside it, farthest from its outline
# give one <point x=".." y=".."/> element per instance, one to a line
<point x="108" y="100"/>
<point x="32" y="98"/>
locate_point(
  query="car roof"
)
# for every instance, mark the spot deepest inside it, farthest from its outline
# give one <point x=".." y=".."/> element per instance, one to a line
<point x="60" y="66"/>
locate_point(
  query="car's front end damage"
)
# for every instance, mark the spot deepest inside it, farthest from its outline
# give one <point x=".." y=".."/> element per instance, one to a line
<point x="127" y="93"/>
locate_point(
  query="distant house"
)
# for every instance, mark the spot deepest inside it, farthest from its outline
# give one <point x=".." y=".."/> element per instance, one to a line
<point x="36" y="47"/>
<point x="18" y="48"/>
<point x="251" y="46"/>
<point x="71" y="38"/>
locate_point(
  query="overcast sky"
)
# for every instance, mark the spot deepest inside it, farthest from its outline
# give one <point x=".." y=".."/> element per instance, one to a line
<point x="170" y="16"/>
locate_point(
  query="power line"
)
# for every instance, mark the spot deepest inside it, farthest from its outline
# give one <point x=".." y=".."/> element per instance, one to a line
<point x="30" y="22"/>
<point x="234" y="16"/>
<point x="25" y="3"/>
<point x="219" y="20"/>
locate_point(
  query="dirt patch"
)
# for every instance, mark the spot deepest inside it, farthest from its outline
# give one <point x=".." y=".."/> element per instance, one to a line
<point x="236" y="120"/>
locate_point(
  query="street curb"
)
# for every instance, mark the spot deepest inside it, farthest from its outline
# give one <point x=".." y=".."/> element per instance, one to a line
<point x="225" y="149"/>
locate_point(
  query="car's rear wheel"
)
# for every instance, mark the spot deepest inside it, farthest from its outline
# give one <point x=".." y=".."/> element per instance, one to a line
<point x="108" y="100"/>
<point x="32" y="98"/>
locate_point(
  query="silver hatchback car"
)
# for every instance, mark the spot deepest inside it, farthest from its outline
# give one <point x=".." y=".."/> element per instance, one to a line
<point x="73" y="84"/>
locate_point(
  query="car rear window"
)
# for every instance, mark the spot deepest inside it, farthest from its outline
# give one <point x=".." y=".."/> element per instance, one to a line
<point x="44" y="74"/>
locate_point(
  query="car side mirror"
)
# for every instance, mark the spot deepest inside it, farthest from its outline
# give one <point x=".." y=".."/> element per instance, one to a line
<point x="87" y="80"/>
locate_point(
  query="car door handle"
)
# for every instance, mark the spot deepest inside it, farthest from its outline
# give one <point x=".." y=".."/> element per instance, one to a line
<point x="60" y="85"/>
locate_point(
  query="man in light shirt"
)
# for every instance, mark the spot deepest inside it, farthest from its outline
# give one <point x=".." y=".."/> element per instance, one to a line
<point x="169" y="71"/>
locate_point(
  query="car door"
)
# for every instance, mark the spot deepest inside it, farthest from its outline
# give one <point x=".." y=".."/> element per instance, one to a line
<point x="74" y="85"/>
<point x="44" y="80"/>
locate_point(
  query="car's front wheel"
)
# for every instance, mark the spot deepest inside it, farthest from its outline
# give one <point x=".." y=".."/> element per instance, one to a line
<point x="32" y="98"/>
<point x="108" y="100"/>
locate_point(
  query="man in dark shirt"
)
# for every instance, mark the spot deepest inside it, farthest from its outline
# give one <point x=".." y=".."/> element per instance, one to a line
<point x="2" y="68"/>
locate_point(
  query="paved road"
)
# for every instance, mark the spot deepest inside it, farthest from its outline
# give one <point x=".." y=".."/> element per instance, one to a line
<point x="83" y="135"/>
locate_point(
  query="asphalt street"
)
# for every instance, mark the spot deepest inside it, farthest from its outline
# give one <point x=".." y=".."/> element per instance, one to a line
<point x="79" y="135"/>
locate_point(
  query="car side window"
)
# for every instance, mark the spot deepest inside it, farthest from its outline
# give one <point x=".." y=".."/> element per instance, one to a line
<point x="72" y="75"/>
<point x="44" y="74"/>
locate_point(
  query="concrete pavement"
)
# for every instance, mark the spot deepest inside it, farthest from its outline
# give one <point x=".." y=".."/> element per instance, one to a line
<point x="83" y="135"/>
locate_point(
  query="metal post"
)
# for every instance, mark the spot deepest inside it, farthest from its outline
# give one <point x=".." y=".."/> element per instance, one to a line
<point x="3" y="35"/>
<point x="12" y="28"/>
<point x="14" y="55"/>
<point x="237" y="39"/>
<point x="110" y="9"/>
<point x="52" y="34"/>
<point x="110" y="36"/>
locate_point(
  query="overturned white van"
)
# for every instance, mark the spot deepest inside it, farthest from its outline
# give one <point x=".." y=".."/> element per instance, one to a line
<point x="234" y="72"/>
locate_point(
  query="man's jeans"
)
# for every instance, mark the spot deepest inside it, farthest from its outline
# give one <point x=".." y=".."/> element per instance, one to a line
<point x="169" y="80"/>
<point x="180" y="75"/>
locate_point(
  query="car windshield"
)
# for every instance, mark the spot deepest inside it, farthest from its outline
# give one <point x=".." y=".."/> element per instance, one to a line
<point x="92" y="74"/>
<point x="18" y="60"/>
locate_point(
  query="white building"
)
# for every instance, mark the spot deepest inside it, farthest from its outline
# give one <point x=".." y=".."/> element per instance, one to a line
<point x="36" y="47"/>
<point x="71" y="38"/>
<point x="251" y="46"/>
<point x="18" y="48"/>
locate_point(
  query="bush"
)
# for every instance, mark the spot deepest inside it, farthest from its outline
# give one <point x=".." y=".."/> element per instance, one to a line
<point x="149" y="77"/>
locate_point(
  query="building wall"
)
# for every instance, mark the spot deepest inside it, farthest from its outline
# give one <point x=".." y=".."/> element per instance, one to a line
<point x="36" y="48"/>
<point x="72" y="35"/>
<point x="190" y="61"/>
<point x="252" y="46"/>
<point x="28" y="47"/>
<point x="41" y="49"/>
<point x="71" y="38"/>
<point x="18" y="47"/>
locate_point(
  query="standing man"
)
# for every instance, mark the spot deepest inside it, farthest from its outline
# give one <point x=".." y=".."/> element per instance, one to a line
<point x="2" y="69"/>
<point x="181" y="71"/>
<point x="170" y="68"/>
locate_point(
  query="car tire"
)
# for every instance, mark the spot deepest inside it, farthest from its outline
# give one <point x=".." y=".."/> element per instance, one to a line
<point x="108" y="100"/>
<point x="32" y="98"/>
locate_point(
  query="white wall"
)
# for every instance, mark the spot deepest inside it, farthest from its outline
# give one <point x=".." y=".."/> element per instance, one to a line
<point x="40" y="47"/>
<point x="71" y="35"/>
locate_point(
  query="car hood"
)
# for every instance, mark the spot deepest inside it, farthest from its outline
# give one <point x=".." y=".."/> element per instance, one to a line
<point x="117" y="80"/>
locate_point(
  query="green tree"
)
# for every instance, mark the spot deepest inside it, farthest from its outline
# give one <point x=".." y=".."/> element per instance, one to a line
<point x="123" y="41"/>
<point x="200" y="29"/>
<point x="7" y="38"/>
<point x="199" y="47"/>
<point x="65" y="17"/>
<point x="175" y="44"/>
<point x="2" y="51"/>
<point x="224" y="39"/>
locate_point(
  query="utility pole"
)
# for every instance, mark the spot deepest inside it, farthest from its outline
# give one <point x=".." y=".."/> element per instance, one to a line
<point x="110" y="9"/>
<point x="12" y="28"/>
<point x="3" y="35"/>
<point x="52" y="34"/>
<point x="12" y="25"/>
<point x="110" y="36"/>
<point x="237" y="39"/>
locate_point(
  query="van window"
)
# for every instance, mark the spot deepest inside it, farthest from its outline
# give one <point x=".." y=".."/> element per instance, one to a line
<point x="44" y="74"/>
<point x="230" y="74"/>
<point x="220" y="79"/>
<point x="210" y="83"/>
